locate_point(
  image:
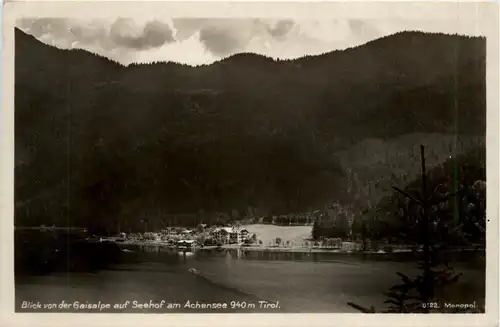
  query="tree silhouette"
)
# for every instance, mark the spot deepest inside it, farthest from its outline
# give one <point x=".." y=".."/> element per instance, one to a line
<point x="415" y="294"/>
<point x="316" y="230"/>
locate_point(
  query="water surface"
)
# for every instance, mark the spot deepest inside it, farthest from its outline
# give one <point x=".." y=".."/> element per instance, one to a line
<point x="297" y="282"/>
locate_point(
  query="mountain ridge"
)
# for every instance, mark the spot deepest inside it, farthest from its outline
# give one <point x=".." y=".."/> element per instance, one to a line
<point x="127" y="141"/>
<point x="21" y="33"/>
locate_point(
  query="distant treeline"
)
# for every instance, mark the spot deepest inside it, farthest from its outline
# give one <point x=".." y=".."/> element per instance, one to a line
<point x="291" y="220"/>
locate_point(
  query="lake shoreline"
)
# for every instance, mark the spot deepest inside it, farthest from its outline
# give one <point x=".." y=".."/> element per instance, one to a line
<point x="285" y="249"/>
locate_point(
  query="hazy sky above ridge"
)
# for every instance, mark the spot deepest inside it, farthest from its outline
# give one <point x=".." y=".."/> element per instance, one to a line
<point x="202" y="41"/>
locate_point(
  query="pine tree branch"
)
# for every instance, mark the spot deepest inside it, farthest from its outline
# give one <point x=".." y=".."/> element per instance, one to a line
<point x="411" y="197"/>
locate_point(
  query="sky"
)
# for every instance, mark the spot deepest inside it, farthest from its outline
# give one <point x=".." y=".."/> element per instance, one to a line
<point x="198" y="41"/>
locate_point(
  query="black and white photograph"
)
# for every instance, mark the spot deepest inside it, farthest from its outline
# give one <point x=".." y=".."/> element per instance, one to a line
<point x="268" y="164"/>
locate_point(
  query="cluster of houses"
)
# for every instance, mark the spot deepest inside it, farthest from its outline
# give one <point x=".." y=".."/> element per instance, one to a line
<point x="229" y="235"/>
<point x="202" y="234"/>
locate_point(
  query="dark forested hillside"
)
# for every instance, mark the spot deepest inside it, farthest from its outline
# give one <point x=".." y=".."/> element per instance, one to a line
<point x="456" y="195"/>
<point x="99" y="142"/>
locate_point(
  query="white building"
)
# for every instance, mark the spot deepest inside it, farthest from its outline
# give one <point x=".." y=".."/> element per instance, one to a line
<point x="222" y="234"/>
<point x="230" y="235"/>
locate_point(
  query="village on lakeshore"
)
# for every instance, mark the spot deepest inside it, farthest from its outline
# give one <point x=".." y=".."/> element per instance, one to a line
<point x="204" y="237"/>
<point x="332" y="229"/>
<point x="291" y="232"/>
<point x="274" y="233"/>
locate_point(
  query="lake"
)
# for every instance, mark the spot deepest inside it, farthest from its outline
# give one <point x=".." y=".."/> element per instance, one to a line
<point x="239" y="280"/>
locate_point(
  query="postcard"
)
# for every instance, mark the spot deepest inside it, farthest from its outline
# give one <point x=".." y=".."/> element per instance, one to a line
<point x="250" y="163"/>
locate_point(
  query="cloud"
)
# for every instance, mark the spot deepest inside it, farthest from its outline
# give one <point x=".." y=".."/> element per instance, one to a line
<point x="125" y="33"/>
<point x="220" y="42"/>
<point x="187" y="27"/>
<point x="64" y="32"/>
<point x="188" y="51"/>
<point x="280" y="29"/>
<point x="42" y="26"/>
<point x="224" y="37"/>
<point x="197" y="41"/>
<point x="363" y="29"/>
<point x="102" y="34"/>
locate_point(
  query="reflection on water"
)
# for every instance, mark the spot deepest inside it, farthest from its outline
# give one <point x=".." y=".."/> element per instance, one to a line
<point x="324" y="282"/>
<point x="471" y="259"/>
<point x="301" y="282"/>
<point x="186" y="254"/>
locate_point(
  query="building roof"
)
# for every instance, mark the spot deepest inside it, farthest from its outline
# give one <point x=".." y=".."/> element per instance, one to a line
<point x="225" y="229"/>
